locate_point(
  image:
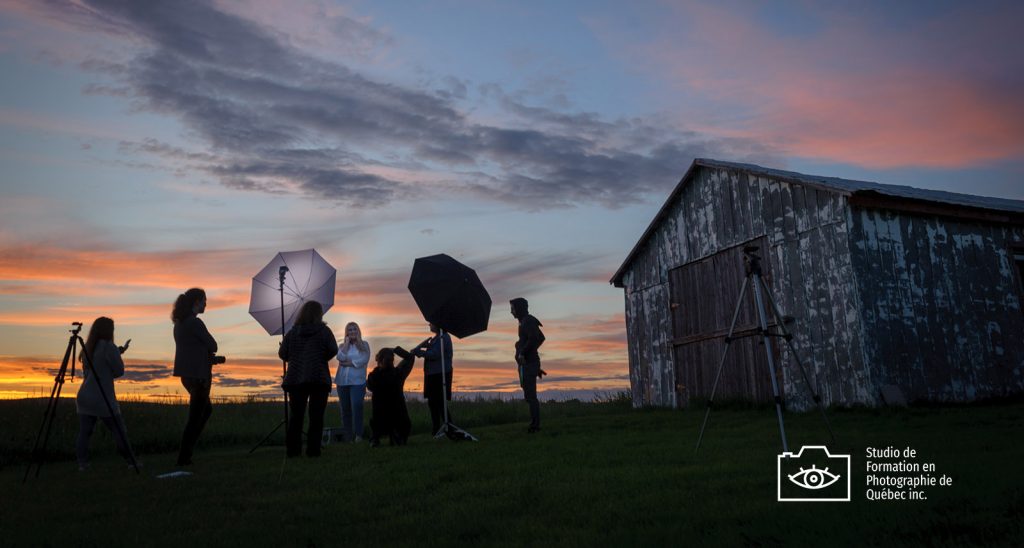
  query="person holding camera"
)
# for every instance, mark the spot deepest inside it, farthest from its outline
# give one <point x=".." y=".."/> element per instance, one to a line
<point x="101" y="364"/>
<point x="353" y="357"/>
<point x="308" y="347"/>
<point x="527" y="358"/>
<point x="434" y="389"/>
<point x="387" y="387"/>
<point x="194" y="355"/>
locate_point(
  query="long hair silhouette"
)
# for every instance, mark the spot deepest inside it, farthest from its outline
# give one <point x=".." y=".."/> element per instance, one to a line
<point x="102" y="329"/>
<point x="185" y="302"/>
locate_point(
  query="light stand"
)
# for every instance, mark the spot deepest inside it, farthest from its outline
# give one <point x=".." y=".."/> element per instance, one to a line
<point x="284" y="365"/>
<point x="443" y="431"/>
<point x="51" y="404"/>
<point x="753" y="278"/>
<point x="448" y="429"/>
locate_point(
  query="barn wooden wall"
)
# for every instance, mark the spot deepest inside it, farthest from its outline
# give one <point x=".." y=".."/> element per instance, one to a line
<point x="807" y="231"/>
<point x="941" y="303"/>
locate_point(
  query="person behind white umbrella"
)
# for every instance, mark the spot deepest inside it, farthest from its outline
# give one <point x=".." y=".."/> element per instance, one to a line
<point x="350" y="379"/>
<point x="307" y="347"/>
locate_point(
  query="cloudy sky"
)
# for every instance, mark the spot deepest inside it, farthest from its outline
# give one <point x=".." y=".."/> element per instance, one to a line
<point x="148" y="147"/>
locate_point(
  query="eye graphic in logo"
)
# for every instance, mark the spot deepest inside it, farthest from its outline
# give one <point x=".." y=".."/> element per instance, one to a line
<point x="813" y="478"/>
<point x="814" y="482"/>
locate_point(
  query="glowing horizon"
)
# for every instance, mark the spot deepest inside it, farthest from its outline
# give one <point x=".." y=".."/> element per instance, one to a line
<point x="152" y="147"/>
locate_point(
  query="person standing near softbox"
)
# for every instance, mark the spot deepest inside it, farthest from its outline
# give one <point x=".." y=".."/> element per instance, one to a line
<point x="436" y="386"/>
<point x="527" y="357"/>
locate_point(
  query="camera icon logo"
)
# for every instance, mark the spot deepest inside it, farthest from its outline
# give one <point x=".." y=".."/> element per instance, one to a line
<point x="813" y="475"/>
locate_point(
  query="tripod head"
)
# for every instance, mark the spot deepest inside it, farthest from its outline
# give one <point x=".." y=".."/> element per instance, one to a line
<point x="281" y="272"/>
<point x="751" y="261"/>
<point x="76" y="327"/>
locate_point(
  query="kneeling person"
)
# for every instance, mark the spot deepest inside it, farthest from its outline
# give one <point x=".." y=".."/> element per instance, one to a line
<point x="387" y="386"/>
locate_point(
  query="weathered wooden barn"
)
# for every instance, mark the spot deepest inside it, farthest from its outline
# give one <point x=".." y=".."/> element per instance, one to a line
<point x="889" y="286"/>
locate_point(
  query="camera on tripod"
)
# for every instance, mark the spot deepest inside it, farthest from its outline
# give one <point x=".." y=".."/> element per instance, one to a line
<point x="751" y="261"/>
<point x="217" y="360"/>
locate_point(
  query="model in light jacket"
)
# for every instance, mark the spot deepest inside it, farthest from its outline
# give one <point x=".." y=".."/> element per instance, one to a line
<point x="96" y="401"/>
<point x="353" y="357"/>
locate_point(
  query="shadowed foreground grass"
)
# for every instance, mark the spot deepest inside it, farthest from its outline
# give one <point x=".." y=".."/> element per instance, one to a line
<point x="599" y="474"/>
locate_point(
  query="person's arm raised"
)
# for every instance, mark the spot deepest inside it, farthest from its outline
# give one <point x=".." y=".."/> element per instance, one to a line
<point x="405" y="366"/>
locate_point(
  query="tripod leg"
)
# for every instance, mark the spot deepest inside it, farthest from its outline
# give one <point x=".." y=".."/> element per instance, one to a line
<point x="762" y="317"/>
<point x="49" y="414"/>
<point x="796" y="357"/>
<point x="267" y="437"/>
<point x="721" y="363"/>
<point x="284" y="423"/>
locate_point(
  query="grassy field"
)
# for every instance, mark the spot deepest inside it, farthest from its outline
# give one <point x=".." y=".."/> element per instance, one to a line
<point x="599" y="474"/>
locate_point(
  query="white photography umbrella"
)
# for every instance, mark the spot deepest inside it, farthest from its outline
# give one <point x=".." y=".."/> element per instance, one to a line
<point x="277" y="295"/>
<point x="280" y="290"/>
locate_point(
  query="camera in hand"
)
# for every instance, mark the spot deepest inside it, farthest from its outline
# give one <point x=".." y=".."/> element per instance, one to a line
<point x="217" y="360"/>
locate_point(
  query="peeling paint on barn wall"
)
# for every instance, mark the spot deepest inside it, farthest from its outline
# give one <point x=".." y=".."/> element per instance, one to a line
<point x="880" y="297"/>
<point x="805" y="229"/>
<point x="945" y="297"/>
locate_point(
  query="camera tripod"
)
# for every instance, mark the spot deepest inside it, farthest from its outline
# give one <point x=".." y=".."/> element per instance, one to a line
<point x="754" y="279"/>
<point x="51" y="405"/>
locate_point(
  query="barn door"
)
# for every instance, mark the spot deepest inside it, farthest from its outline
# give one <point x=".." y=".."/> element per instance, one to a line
<point x="702" y="299"/>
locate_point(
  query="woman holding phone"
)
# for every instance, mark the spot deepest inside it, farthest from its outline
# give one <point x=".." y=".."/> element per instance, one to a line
<point x="96" y="401"/>
<point x="353" y="357"/>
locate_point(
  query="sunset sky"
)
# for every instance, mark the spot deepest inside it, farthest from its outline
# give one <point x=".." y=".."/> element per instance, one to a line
<point x="148" y="147"/>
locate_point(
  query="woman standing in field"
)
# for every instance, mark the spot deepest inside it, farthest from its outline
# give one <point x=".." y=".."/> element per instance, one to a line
<point x="353" y="357"/>
<point x="307" y="348"/>
<point x="101" y="363"/>
<point x="194" y="349"/>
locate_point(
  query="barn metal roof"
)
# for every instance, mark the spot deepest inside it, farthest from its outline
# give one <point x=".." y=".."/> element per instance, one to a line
<point x="845" y="187"/>
<point x="849" y="186"/>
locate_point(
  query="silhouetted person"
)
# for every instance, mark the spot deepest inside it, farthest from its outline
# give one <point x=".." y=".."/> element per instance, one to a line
<point x="194" y="349"/>
<point x="430" y="351"/>
<point x="530" y="339"/>
<point x="307" y="348"/>
<point x="387" y="386"/>
<point x="101" y="364"/>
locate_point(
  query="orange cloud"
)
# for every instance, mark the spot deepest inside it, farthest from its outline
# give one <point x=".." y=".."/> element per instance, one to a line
<point x="847" y="88"/>
<point x="903" y="119"/>
<point x="102" y="268"/>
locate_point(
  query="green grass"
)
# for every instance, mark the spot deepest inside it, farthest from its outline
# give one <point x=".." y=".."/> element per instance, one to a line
<point x="599" y="474"/>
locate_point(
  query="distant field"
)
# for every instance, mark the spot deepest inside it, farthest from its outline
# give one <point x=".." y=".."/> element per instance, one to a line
<point x="599" y="474"/>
